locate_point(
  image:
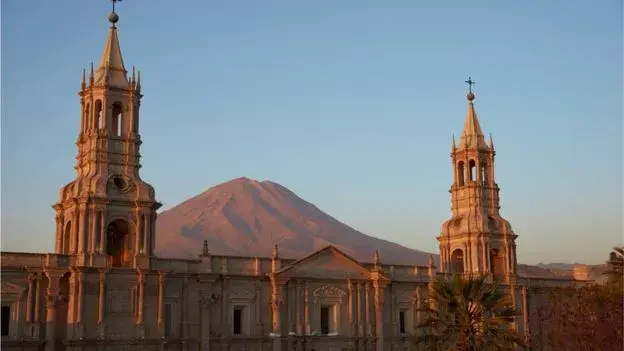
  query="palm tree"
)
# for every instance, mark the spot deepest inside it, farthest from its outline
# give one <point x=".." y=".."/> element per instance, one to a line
<point x="468" y="314"/>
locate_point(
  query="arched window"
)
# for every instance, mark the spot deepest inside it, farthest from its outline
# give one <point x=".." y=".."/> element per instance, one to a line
<point x="457" y="261"/>
<point x="460" y="173"/>
<point x="117" y="122"/>
<point x="119" y="243"/>
<point x="473" y="170"/>
<point x="98" y="119"/>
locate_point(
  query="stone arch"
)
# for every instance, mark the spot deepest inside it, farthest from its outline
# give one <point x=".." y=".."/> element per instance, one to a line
<point x="117" y="119"/>
<point x="457" y="261"/>
<point x="120" y="242"/>
<point x="472" y="170"/>
<point x="460" y="173"/>
<point x="98" y="120"/>
<point x="497" y="262"/>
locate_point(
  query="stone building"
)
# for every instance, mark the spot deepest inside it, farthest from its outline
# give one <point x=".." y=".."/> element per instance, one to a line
<point x="104" y="289"/>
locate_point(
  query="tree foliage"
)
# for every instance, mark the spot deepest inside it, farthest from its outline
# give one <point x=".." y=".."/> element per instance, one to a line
<point x="468" y="314"/>
<point x="581" y="318"/>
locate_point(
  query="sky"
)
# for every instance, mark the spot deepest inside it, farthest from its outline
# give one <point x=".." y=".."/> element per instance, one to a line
<point x="350" y="104"/>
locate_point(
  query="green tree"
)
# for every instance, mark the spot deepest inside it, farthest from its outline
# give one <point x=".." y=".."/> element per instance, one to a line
<point x="467" y="314"/>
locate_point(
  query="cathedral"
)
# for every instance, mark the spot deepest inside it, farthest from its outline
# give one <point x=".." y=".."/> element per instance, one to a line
<point x="104" y="289"/>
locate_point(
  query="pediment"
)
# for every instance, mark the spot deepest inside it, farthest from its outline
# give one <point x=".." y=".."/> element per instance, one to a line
<point x="328" y="263"/>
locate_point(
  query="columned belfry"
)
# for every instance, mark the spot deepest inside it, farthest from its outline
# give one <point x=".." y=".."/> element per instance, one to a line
<point x="106" y="216"/>
<point x="477" y="239"/>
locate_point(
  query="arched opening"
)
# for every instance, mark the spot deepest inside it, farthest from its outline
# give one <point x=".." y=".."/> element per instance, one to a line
<point x="119" y="242"/>
<point x="66" y="238"/>
<point x="98" y="121"/>
<point x="62" y="305"/>
<point x="472" y="165"/>
<point x="457" y="261"/>
<point x="497" y="262"/>
<point x="117" y="119"/>
<point x="460" y="173"/>
<point x="484" y="177"/>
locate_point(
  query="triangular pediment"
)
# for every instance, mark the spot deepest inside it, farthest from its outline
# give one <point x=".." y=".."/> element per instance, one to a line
<point x="328" y="263"/>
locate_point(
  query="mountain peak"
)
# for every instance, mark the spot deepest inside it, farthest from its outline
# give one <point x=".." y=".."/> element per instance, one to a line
<point x="246" y="217"/>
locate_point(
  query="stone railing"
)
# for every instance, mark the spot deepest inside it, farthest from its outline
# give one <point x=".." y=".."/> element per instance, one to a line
<point x="21" y="259"/>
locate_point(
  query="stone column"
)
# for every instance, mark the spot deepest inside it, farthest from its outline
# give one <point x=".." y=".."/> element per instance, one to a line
<point x="161" y="303"/>
<point x="369" y="329"/>
<point x="139" y="233"/>
<point x="276" y="303"/>
<point x="93" y="234"/>
<point x="184" y="309"/>
<point x="102" y="303"/>
<point x="146" y="234"/>
<point x="379" y="309"/>
<point x="306" y="310"/>
<point x="103" y="232"/>
<point x="298" y="306"/>
<point x="74" y="230"/>
<point x="141" y="292"/>
<point x="351" y="307"/>
<point x="52" y="297"/>
<point x="37" y="315"/>
<point x="359" y="324"/>
<point x="525" y="315"/>
<point x="58" y="243"/>
<point x="29" y="299"/>
<point x="82" y="229"/>
<point x="205" y="307"/>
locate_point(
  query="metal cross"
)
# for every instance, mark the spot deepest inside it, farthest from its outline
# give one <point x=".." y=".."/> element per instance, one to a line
<point x="114" y="1"/>
<point x="470" y="82"/>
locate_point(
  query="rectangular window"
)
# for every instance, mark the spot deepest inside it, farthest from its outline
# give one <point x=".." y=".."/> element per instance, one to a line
<point x="6" y="319"/>
<point x="402" y="322"/>
<point x="325" y="320"/>
<point x="168" y="319"/>
<point x="238" y="321"/>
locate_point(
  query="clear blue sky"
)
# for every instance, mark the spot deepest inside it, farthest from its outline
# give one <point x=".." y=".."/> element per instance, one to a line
<point x="350" y="104"/>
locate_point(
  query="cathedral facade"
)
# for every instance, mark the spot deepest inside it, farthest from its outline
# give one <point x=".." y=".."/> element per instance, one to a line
<point x="104" y="289"/>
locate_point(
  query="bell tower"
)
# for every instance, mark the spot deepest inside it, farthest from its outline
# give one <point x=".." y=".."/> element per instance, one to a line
<point x="476" y="239"/>
<point x="107" y="214"/>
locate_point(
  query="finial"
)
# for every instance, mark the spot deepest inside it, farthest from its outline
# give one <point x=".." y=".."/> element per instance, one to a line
<point x="376" y="258"/>
<point x="138" y="84"/>
<point x="83" y="83"/>
<point x="453" y="147"/>
<point x="491" y="142"/>
<point x="205" y="251"/>
<point x="470" y="95"/>
<point x="113" y="17"/>
<point x="91" y="75"/>
<point x="133" y="79"/>
<point x="275" y="252"/>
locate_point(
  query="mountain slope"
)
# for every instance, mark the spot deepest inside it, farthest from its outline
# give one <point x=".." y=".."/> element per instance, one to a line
<point x="246" y="217"/>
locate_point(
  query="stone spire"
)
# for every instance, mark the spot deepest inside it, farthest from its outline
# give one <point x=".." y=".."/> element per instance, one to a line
<point x="476" y="239"/>
<point x="472" y="135"/>
<point x="111" y="71"/>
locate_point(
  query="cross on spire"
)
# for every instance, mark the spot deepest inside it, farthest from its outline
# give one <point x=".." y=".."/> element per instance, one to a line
<point x="470" y="83"/>
<point x="114" y="1"/>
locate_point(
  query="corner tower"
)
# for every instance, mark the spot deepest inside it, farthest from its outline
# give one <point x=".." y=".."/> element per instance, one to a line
<point x="106" y="216"/>
<point x="477" y="239"/>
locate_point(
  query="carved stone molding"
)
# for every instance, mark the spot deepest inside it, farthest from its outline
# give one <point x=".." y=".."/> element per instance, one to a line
<point x="329" y="291"/>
